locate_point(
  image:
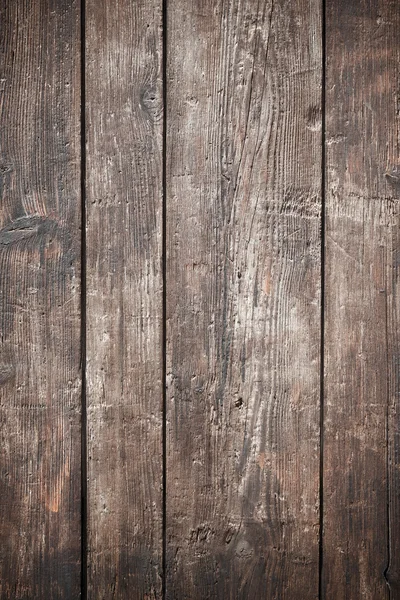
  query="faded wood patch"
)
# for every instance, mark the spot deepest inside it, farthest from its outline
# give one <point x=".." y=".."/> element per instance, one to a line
<point x="243" y="299"/>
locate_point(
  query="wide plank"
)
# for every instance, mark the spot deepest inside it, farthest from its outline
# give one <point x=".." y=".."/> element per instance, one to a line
<point x="243" y="216"/>
<point x="123" y="92"/>
<point x="40" y="375"/>
<point x="362" y="307"/>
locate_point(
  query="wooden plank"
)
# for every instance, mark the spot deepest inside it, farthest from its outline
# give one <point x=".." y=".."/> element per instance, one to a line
<point x="124" y="298"/>
<point x="362" y="221"/>
<point x="40" y="380"/>
<point x="243" y="298"/>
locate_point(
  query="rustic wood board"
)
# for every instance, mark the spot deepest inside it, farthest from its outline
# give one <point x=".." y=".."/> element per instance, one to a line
<point x="124" y="125"/>
<point x="40" y="379"/>
<point x="362" y="307"/>
<point x="243" y="298"/>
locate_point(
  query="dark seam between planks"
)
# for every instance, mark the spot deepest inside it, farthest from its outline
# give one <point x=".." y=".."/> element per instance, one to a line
<point x="84" y="501"/>
<point x="322" y="351"/>
<point x="164" y="299"/>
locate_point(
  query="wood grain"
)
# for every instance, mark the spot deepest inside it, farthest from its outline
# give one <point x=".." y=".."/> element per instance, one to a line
<point x="243" y="298"/>
<point x="362" y="308"/>
<point x="124" y="298"/>
<point x="40" y="380"/>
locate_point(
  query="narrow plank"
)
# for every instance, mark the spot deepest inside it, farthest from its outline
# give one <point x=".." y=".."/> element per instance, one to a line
<point x="243" y="298"/>
<point x="391" y="19"/>
<point x="40" y="380"/>
<point x="362" y="221"/>
<point x="124" y="298"/>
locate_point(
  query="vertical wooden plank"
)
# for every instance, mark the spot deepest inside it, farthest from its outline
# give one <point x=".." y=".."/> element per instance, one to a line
<point x="243" y="298"/>
<point x="40" y="380"/>
<point x="124" y="298"/>
<point x="392" y="571"/>
<point x="391" y="19"/>
<point x="362" y="221"/>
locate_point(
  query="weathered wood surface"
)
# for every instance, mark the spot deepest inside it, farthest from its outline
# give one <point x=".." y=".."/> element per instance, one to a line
<point x="243" y="293"/>
<point x="243" y="298"/>
<point x="40" y="380"/>
<point x="362" y="307"/>
<point x="124" y="298"/>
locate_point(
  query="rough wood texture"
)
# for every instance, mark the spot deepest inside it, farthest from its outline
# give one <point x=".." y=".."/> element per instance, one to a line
<point x="243" y="298"/>
<point x="124" y="298"/>
<point x="362" y="309"/>
<point x="40" y="381"/>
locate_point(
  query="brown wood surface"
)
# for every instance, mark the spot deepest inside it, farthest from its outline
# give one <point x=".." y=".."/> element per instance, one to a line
<point x="243" y="174"/>
<point x="390" y="16"/>
<point x="124" y="298"/>
<point x="243" y="298"/>
<point x="40" y="379"/>
<point x="362" y="309"/>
